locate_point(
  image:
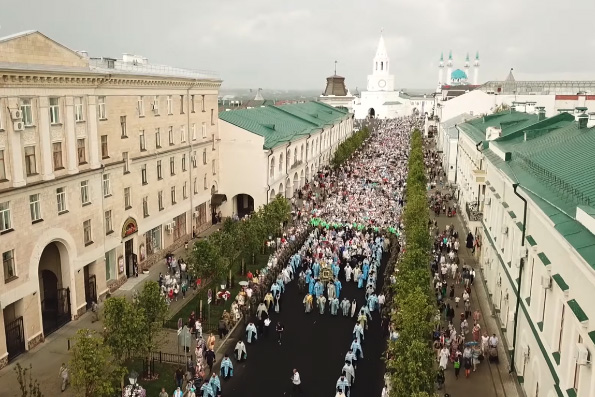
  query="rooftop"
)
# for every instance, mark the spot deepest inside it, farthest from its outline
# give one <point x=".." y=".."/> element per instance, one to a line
<point x="544" y="159"/>
<point x="282" y="124"/>
<point x="509" y="121"/>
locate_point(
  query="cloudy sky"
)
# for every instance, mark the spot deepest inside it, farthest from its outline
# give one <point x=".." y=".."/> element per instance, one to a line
<point x="293" y="44"/>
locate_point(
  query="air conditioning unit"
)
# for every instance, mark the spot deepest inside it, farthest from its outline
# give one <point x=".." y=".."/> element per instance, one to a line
<point x="16" y="114"/>
<point x="173" y="224"/>
<point x="504" y="229"/>
<point x="581" y="354"/>
<point x="546" y="282"/>
<point x="168" y="226"/>
<point x="488" y="201"/>
<point x="195" y="214"/>
<point x="18" y="126"/>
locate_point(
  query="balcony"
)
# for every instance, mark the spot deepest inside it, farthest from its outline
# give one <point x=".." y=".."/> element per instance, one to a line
<point x="479" y="176"/>
<point x="473" y="214"/>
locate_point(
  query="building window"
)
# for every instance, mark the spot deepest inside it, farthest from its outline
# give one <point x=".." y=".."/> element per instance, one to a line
<point x="272" y="171"/>
<point x="204" y="182"/>
<point x="78" y="109"/>
<point x="108" y="222"/>
<point x="159" y="174"/>
<point x="203" y="103"/>
<point x="183" y="162"/>
<point x="171" y="135"/>
<point x="81" y="151"/>
<point x="123" y="131"/>
<point x="2" y="166"/>
<point x="26" y="110"/>
<point x="144" y="174"/>
<point x="172" y="165"/>
<point x="104" y="149"/>
<point x="156" y="105"/>
<point x="10" y="270"/>
<point x="179" y="226"/>
<point x="61" y="199"/>
<point x="195" y="186"/>
<point x="214" y="166"/>
<point x="101" y="108"/>
<point x="192" y="103"/>
<point x="170" y="105"/>
<point x="157" y="138"/>
<point x="146" y="206"/>
<point x="127" y="198"/>
<point x="185" y="190"/>
<point x="182" y="134"/>
<point x="194" y="159"/>
<point x="141" y="106"/>
<point x="281" y="162"/>
<point x="85" y="198"/>
<point x="194" y="132"/>
<point x="57" y="155"/>
<point x="204" y="130"/>
<point x="160" y="200"/>
<point x="213" y="141"/>
<point x="87" y="237"/>
<point x="154" y="240"/>
<point x="126" y="162"/>
<point x="173" y="195"/>
<point x="561" y="334"/>
<point x="54" y="111"/>
<point x="107" y="186"/>
<point x="35" y="207"/>
<point x="5" y="223"/>
<point x="110" y="264"/>
<point x="181" y="104"/>
<point x="212" y="116"/>
<point x="143" y="142"/>
<point x="30" y="161"/>
<point x="204" y="156"/>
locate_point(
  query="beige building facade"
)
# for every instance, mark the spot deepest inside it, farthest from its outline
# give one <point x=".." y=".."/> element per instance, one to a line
<point x="105" y="164"/>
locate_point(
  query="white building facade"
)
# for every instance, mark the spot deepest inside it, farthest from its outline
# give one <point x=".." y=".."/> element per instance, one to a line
<point x="276" y="150"/>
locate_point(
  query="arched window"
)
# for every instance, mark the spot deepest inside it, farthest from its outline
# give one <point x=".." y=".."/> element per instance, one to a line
<point x="295" y="157"/>
<point x="272" y="167"/>
<point x="272" y="194"/>
<point x="381" y="65"/>
<point x="288" y="158"/>
<point x="281" y="162"/>
<point x="376" y="65"/>
<point x="302" y="153"/>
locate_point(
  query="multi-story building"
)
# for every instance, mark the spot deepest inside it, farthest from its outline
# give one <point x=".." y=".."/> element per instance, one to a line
<point x="104" y="164"/>
<point x="537" y="251"/>
<point x="276" y="149"/>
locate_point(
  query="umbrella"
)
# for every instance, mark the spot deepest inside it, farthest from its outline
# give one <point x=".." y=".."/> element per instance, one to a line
<point x="243" y="283"/>
<point x="471" y="344"/>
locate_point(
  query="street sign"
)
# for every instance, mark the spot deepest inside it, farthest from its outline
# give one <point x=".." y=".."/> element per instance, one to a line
<point x="209" y="296"/>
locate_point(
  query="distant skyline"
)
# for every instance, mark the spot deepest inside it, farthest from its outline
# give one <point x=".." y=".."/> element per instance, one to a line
<point x="288" y="45"/>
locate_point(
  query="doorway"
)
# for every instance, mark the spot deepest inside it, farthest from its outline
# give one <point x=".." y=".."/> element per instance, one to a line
<point x="128" y="254"/>
<point x="14" y="331"/>
<point x="371" y="113"/>
<point x="90" y="287"/>
<point x="55" y="299"/>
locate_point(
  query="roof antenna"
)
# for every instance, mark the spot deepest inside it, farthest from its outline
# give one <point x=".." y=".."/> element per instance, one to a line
<point x="335" y="68"/>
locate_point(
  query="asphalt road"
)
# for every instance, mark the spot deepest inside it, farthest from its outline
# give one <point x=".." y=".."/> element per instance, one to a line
<point x="312" y="343"/>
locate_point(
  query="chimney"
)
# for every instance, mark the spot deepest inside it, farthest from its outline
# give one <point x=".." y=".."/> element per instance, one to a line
<point x="582" y="121"/>
<point x="591" y="122"/>
<point x="540" y="113"/>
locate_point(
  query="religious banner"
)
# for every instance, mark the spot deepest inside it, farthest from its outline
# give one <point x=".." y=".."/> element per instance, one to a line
<point x="130" y="227"/>
<point x="209" y="296"/>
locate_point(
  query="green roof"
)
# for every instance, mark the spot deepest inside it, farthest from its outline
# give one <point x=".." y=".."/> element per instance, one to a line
<point x="544" y="259"/>
<point x="560" y="281"/>
<point x="283" y="124"/>
<point x="577" y="310"/>
<point x="545" y="159"/>
<point x="508" y="121"/>
<point x="531" y="241"/>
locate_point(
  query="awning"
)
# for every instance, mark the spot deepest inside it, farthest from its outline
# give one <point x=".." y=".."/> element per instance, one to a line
<point x="218" y="199"/>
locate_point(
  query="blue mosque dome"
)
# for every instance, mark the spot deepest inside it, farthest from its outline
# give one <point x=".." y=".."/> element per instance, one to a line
<point x="458" y="75"/>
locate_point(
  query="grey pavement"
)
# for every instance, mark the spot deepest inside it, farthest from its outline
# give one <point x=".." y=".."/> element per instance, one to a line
<point x="47" y="357"/>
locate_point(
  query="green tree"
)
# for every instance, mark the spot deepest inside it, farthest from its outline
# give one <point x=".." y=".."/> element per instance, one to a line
<point x="93" y="371"/>
<point x="28" y="386"/>
<point x="153" y="308"/>
<point x="123" y="324"/>
<point x="206" y="261"/>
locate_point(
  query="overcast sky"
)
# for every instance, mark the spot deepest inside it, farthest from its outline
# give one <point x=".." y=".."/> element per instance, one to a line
<point x="293" y="44"/>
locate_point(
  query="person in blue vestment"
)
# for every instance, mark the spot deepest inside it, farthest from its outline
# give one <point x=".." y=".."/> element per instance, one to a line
<point x="308" y="274"/>
<point x="226" y="370"/>
<point x="366" y="269"/>
<point x="275" y="289"/>
<point x="281" y="283"/>
<point x="367" y="312"/>
<point x="343" y="385"/>
<point x="338" y="288"/>
<point x="335" y="268"/>
<point x="350" y="357"/>
<point x="251" y="333"/>
<point x="372" y="302"/>
<point x="311" y="286"/>
<point x="206" y="390"/>
<point x="334" y="305"/>
<point x="357" y="349"/>
<point x="318" y="289"/>
<point x="360" y="281"/>
<point x="216" y="384"/>
<point x="316" y="269"/>
<point x="345" y="306"/>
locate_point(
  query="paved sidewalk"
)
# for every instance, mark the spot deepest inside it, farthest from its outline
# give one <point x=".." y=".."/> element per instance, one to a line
<point x="47" y="357"/>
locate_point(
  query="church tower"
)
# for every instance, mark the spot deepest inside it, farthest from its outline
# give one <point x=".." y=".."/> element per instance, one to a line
<point x="440" y="73"/>
<point x="476" y="69"/>
<point x="380" y="79"/>
<point x="449" y="68"/>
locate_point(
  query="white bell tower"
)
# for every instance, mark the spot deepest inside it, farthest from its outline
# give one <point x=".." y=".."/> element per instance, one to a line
<point x="380" y="79"/>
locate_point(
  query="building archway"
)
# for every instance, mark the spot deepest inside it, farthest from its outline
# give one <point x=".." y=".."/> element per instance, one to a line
<point x="272" y="195"/>
<point x="243" y="204"/>
<point x="302" y="179"/>
<point x="296" y="181"/>
<point x="54" y="292"/>
<point x="281" y="191"/>
<point x="371" y="113"/>
<point x="288" y="188"/>
<point x="307" y="174"/>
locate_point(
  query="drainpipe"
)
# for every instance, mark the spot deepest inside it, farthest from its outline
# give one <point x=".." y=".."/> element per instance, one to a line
<point x="518" y="294"/>
<point x="269" y="174"/>
<point x="287" y="167"/>
<point x="307" y="149"/>
<point x="480" y="167"/>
